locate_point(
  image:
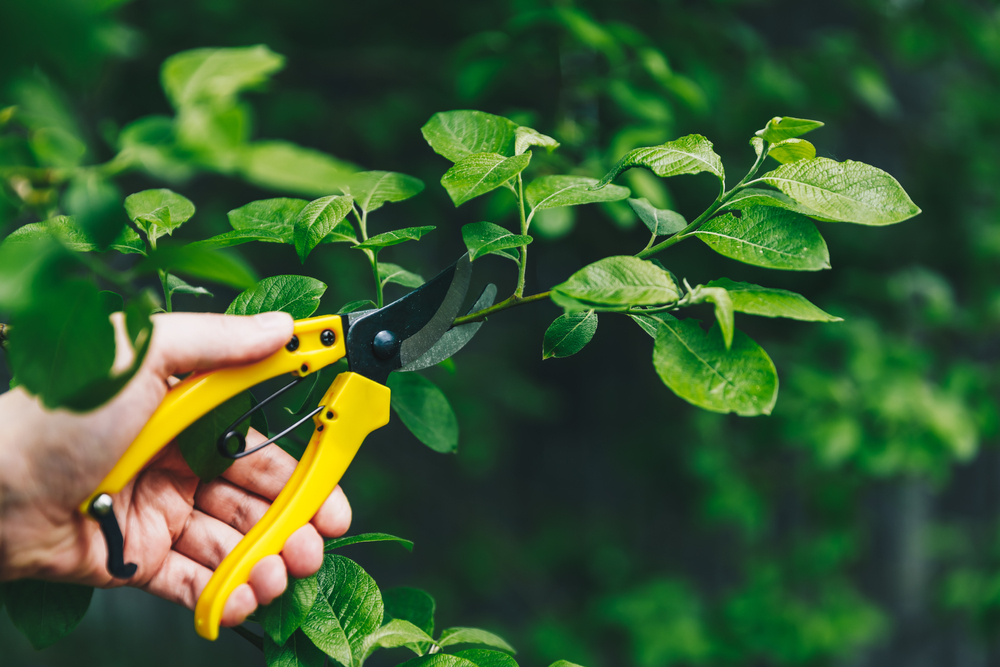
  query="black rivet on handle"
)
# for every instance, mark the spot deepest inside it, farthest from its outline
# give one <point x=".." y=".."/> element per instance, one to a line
<point x="305" y="367"/>
<point x="328" y="337"/>
<point x="319" y="428"/>
<point x="385" y="345"/>
<point x="329" y="415"/>
<point x="293" y="344"/>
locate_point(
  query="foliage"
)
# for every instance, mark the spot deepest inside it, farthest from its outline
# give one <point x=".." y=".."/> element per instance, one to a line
<point x="899" y="393"/>
<point x="722" y="370"/>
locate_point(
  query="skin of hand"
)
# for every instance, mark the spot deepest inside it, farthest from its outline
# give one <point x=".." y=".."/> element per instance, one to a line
<point x="177" y="529"/>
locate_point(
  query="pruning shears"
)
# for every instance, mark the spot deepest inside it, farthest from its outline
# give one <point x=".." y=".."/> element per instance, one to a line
<point x="409" y="334"/>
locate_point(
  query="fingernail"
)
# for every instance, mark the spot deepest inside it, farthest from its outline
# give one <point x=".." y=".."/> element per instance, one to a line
<point x="273" y="321"/>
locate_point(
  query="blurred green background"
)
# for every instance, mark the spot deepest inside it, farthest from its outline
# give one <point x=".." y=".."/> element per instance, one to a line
<point x="590" y="514"/>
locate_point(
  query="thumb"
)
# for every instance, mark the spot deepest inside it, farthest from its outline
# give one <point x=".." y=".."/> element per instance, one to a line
<point x="185" y="342"/>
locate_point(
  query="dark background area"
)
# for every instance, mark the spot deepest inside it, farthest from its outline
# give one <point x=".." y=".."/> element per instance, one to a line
<point x="590" y="514"/>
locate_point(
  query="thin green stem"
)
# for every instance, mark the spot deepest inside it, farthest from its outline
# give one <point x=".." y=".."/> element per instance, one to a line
<point x="684" y="233"/>
<point x="709" y="212"/>
<point x="523" y="264"/>
<point x="372" y="254"/>
<point x="510" y="302"/>
<point x="251" y="637"/>
<point x="755" y="168"/>
<point x="652" y="239"/>
<point x="167" y="296"/>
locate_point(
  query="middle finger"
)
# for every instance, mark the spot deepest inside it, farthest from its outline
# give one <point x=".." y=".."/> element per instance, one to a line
<point x="262" y="477"/>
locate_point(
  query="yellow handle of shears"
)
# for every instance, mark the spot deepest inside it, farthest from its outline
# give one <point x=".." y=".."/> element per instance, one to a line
<point x="355" y="406"/>
<point x="191" y="399"/>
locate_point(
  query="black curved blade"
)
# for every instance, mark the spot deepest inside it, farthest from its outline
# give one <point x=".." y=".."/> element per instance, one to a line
<point x="455" y="338"/>
<point x="416" y="322"/>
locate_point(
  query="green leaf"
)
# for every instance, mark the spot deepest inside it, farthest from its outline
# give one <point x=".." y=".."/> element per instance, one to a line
<point x="296" y="295"/>
<point x="762" y="197"/>
<point x="771" y="302"/>
<point x="63" y="343"/>
<point x="564" y="663"/>
<point x="111" y="302"/>
<point x="615" y="283"/>
<point x="24" y="269"/>
<point x="780" y="128"/>
<point x="480" y="173"/>
<point x="485" y="238"/>
<point x="285" y="614"/>
<point x="216" y="75"/>
<point x="371" y="189"/>
<point x="569" y="334"/>
<point x="526" y="137"/>
<point x="56" y="147"/>
<point x="288" y="167"/>
<point x="177" y="286"/>
<point x="363" y="538"/>
<point x="660" y="222"/>
<point x="275" y="216"/>
<point x="792" y="150"/>
<point x="214" y="136"/>
<point x="151" y="144"/>
<point x="553" y="223"/>
<point x="46" y="611"/>
<point x="94" y="203"/>
<point x="696" y="366"/>
<point x="139" y="327"/>
<point x="342" y="233"/>
<point x="158" y="212"/>
<point x="309" y="394"/>
<point x="197" y="442"/>
<point x="767" y="236"/>
<point x="394" y="237"/>
<point x="688" y="155"/>
<point x="394" y="634"/>
<point x="258" y="420"/>
<point x="73" y="237"/>
<point x="200" y="262"/>
<point x="424" y="410"/>
<point x="482" y="657"/>
<point x="352" y="306"/>
<point x="844" y="191"/>
<point x="723" y="309"/>
<point x="239" y="237"/>
<point x="348" y="609"/>
<point x="554" y="191"/>
<point x="298" y="651"/>
<point x="439" y="660"/>
<point x="319" y="219"/>
<point x="457" y="134"/>
<point x="453" y="636"/>
<point x="394" y="273"/>
<point x="410" y="604"/>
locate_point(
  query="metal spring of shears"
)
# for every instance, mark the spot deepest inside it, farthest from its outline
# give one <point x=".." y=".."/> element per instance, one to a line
<point x="241" y="449"/>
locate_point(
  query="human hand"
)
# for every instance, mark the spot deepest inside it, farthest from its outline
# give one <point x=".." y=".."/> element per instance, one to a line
<point x="177" y="529"/>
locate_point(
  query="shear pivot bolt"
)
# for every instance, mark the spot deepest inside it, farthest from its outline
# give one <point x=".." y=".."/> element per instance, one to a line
<point x="101" y="505"/>
<point x="293" y="344"/>
<point x="328" y="337"/>
<point x="385" y="345"/>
